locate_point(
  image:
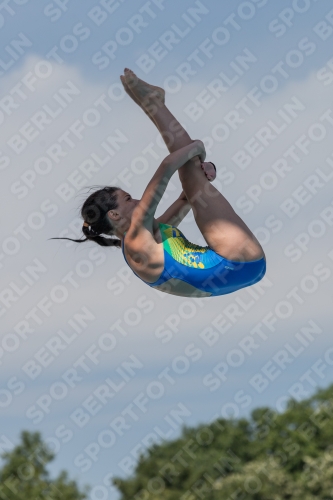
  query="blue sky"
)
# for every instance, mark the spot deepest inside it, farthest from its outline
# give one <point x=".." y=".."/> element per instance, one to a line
<point x="295" y="292"/>
<point x="46" y="31"/>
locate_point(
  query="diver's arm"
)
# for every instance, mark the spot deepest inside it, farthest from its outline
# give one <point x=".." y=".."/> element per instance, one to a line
<point x="178" y="158"/>
<point x="176" y="212"/>
<point x="143" y="214"/>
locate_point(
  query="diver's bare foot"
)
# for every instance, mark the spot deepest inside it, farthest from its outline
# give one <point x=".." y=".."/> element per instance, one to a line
<point x="129" y="91"/>
<point x="209" y="170"/>
<point x="143" y="91"/>
<point x="134" y="98"/>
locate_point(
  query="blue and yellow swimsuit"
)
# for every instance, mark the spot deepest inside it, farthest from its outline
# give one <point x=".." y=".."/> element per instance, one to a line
<point x="194" y="271"/>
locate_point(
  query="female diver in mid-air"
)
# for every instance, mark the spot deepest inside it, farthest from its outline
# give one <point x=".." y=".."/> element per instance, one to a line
<point x="156" y="251"/>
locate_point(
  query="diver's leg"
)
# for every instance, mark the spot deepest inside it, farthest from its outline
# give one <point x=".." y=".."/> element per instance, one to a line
<point x="173" y="133"/>
<point x="224" y="231"/>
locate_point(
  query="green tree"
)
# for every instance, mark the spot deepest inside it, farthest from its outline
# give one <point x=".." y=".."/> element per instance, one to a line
<point x="270" y="456"/>
<point x="24" y="474"/>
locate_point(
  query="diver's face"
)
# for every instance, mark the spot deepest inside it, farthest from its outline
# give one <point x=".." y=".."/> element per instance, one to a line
<point x="126" y="204"/>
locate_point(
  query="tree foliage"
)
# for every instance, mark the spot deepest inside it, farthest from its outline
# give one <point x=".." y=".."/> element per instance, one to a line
<point x="270" y="456"/>
<point x="24" y="474"/>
